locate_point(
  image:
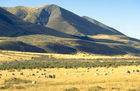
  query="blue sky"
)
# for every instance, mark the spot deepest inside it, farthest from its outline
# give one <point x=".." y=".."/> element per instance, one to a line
<point x="123" y="15"/>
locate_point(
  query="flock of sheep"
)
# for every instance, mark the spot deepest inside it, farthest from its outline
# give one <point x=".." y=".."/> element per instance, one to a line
<point x="103" y="72"/>
<point x="45" y="75"/>
<point x="112" y="71"/>
<point x="42" y="75"/>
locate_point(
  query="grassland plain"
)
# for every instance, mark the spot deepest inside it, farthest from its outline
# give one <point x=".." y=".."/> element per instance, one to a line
<point x="73" y="79"/>
<point x="80" y="72"/>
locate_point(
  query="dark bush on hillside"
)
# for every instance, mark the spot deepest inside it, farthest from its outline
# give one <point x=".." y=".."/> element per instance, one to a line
<point x="61" y="64"/>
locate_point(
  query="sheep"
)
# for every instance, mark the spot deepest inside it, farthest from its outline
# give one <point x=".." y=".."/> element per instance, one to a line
<point x="53" y="76"/>
<point x="128" y="72"/>
<point x="111" y="72"/>
<point x="96" y="74"/>
<point x="88" y="68"/>
<point x="27" y="75"/>
<point x="112" y="69"/>
<point x="97" y="69"/>
<point x="34" y="82"/>
<point x="13" y="74"/>
<point x="33" y="74"/>
<point x="41" y="74"/>
<point x="0" y="75"/>
<point x="5" y="75"/>
<point x="45" y="76"/>
<point x="50" y="76"/>
<point x="45" y="70"/>
<point x="38" y="77"/>
<point x="37" y="71"/>
<point x="21" y="73"/>
<point x="105" y="74"/>
<point x="103" y="70"/>
<point x="137" y="70"/>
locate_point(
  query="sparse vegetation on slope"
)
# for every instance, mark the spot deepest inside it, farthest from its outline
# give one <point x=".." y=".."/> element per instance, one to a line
<point x="19" y="46"/>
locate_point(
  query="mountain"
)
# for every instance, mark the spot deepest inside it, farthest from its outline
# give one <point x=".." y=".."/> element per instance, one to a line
<point x="12" y="26"/>
<point x="62" y="20"/>
<point x="99" y="24"/>
<point x="52" y="29"/>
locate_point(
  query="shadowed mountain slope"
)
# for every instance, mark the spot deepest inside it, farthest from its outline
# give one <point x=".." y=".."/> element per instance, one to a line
<point x="12" y="26"/>
<point x="19" y="46"/>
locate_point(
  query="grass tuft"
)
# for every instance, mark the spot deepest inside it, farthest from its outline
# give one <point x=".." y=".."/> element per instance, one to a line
<point x="96" y="88"/>
<point x="16" y="81"/>
<point x="71" y="89"/>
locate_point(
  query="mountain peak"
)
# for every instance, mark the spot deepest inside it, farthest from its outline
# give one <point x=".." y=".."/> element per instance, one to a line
<point x="49" y="5"/>
<point x="19" y="6"/>
<point x="62" y="20"/>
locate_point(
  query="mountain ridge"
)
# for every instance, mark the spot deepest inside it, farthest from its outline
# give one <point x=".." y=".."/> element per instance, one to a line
<point x="54" y="17"/>
<point x="56" y="30"/>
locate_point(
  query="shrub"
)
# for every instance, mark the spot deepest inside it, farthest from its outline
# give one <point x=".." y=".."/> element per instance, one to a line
<point x="96" y="88"/>
<point x="20" y="87"/>
<point x="16" y="81"/>
<point x="71" y="89"/>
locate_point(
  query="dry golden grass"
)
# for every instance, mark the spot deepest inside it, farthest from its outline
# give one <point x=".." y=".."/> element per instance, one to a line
<point x="89" y="56"/>
<point x="111" y="37"/>
<point x="15" y="55"/>
<point x="12" y="56"/>
<point x="116" y="80"/>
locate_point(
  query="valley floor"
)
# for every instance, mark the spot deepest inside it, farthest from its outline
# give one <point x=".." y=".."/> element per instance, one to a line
<point x="105" y="73"/>
<point x="81" y="79"/>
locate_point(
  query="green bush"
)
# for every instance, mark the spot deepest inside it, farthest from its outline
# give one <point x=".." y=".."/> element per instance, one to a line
<point x="62" y="63"/>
